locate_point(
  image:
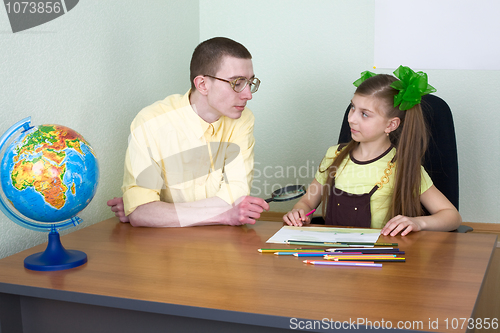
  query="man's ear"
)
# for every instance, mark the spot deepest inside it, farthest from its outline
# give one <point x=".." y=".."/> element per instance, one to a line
<point x="200" y="83"/>
<point x="393" y="124"/>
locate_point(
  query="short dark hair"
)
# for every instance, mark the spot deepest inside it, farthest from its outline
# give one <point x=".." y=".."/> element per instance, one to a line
<point x="207" y="56"/>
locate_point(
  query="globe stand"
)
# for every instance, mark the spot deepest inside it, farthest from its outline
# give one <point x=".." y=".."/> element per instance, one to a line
<point x="55" y="257"/>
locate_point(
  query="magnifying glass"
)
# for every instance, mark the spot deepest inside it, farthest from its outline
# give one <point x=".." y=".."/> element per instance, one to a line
<point x="287" y="193"/>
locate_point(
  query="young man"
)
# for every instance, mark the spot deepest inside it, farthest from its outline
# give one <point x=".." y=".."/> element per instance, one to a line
<point x="190" y="157"/>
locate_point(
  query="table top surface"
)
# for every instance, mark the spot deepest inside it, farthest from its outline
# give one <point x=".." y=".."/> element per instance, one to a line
<point x="219" y="267"/>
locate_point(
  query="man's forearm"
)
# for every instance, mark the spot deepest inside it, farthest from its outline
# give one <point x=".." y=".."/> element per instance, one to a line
<point x="162" y="214"/>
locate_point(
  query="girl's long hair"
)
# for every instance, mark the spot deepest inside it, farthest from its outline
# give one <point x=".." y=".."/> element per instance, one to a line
<point x="410" y="139"/>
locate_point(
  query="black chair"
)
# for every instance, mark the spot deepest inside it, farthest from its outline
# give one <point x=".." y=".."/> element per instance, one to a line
<point x="441" y="158"/>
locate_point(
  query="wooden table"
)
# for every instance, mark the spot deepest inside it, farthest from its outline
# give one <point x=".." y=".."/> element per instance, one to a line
<point x="212" y="279"/>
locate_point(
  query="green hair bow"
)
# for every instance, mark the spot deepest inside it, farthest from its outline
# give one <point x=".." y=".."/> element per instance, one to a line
<point x="364" y="76"/>
<point x="412" y="86"/>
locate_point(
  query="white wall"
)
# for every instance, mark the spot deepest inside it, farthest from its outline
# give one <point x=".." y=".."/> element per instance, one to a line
<point x="307" y="55"/>
<point x="92" y="70"/>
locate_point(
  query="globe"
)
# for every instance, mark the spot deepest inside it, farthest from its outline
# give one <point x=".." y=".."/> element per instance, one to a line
<point x="49" y="173"/>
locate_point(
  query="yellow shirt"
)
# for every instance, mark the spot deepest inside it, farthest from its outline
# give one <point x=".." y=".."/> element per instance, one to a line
<point x="360" y="177"/>
<point x="175" y="156"/>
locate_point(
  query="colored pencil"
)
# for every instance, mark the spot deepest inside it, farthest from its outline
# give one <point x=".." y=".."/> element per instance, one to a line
<point x="360" y="257"/>
<point x="313" y="254"/>
<point x="371" y="252"/>
<point x="290" y="241"/>
<point x="289" y="250"/>
<point x="370" y="259"/>
<point x="317" y="260"/>
<point x="306" y="253"/>
<point x="396" y="251"/>
<point x="356" y="262"/>
<point x="374" y="259"/>
<point x="333" y="263"/>
<point x="362" y="249"/>
<point x="312" y="211"/>
<point x="291" y="253"/>
<point x="296" y="242"/>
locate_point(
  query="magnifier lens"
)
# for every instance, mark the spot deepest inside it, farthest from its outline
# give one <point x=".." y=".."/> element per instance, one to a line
<point x="288" y="195"/>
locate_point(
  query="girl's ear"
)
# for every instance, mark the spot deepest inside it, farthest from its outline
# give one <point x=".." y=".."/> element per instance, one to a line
<point x="201" y="84"/>
<point x="393" y="124"/>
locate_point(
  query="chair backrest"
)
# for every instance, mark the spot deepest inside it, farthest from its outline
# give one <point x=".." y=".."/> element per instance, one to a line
<point x="441" y="158"/>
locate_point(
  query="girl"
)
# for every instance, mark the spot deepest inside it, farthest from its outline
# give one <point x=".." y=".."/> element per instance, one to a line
<point x="377" y="180"/>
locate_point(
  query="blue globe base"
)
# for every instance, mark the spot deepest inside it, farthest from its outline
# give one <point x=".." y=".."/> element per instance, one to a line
<point x="55" y="257"/>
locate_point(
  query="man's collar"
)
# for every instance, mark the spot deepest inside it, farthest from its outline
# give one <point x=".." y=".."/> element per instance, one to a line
<point x="212" y="128"/>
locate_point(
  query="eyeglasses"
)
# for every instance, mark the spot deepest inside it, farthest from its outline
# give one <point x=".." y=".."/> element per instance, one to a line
<point x="240" y="83"/>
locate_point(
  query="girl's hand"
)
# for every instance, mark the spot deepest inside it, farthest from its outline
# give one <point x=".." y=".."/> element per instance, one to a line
<point x="296" y="218"/>
<point x="403" y="224"/>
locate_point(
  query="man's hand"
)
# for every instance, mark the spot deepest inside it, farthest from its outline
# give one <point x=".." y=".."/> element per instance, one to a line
<point x="246" y="209"/>
<point x="116" y="205"/>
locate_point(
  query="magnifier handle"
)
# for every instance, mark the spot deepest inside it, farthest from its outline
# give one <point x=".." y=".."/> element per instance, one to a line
<point x="269" y="200"/>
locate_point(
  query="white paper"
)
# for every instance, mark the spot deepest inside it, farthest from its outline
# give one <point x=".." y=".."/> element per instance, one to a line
<point x="437" y="34"/>
<point x="324" y="234"/>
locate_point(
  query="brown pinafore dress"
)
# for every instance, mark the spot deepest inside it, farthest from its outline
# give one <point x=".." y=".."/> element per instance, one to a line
<point x="347" y="209"/>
